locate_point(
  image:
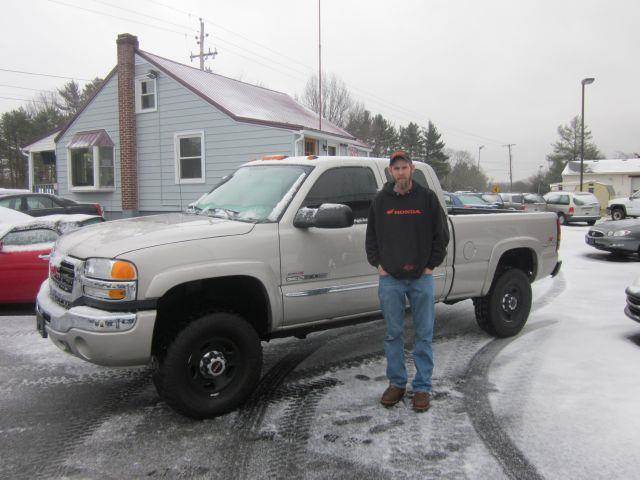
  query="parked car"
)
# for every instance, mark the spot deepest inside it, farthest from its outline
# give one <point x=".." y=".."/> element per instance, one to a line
<point x="620" y="208"/>
<point x="41" y="204"/>
<point x="493" y="199"/>
<point x="633" y="301"/>
<point x="574" y="206"/>
<point x="513" y="200"/>
<point x="526" y="202"/>
<point x="619" y="236"/>
<point x="25" y="246"/>
<point x="466" y="200"/>
<point x="274" y="251"/>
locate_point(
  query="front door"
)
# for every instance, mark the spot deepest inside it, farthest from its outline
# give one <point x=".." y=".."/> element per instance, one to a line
<point x="325" y="273"/>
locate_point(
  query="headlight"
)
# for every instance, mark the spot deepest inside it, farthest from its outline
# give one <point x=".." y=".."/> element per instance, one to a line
<point x="622" y="233"/>
<point x="106" y="269"/>
<point x="106" y="279"/>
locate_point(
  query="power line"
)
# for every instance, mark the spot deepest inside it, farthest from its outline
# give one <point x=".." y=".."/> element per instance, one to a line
<point x="27" y="88"/>
<point x="24" y="99"/>
<point x="447" y="129"/>
<point x="45" y="74"/>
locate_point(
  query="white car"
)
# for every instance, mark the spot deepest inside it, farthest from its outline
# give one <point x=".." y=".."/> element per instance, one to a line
<point x="620" y="208"/>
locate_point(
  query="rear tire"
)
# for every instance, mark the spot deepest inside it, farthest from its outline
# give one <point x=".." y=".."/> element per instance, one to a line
<point x="562" y="218"/>
<point x="504" y="311"/>
<point x="617" y="213"/>
<point x="211" y="367"/>
<point x="591" y="223"/>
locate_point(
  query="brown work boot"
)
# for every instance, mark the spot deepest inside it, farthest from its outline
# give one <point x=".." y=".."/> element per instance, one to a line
<point x="391" y="396"/>
<point x="421" y="401"/>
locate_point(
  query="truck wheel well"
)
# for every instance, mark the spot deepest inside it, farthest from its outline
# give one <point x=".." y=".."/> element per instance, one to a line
<point x="184" y="303"/>
<point x="621" y="207"/>
<point x="521" y="258"/>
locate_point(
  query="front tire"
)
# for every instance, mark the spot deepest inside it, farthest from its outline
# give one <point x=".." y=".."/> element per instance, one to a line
<point x="504" y="311"/>
<point x="617" y="213"/>
<point x="211" y="367"/>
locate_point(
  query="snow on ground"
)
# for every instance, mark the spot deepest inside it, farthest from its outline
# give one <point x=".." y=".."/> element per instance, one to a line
<point x="568" y="392"/>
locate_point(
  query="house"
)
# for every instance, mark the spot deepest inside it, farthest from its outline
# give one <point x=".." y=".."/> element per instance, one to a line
<point x="158" y="134"/>
<point x="622" y="174"/>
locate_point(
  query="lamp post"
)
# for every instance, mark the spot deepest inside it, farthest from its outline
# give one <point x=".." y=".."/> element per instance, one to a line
<point x="479" y="149"/>
<point x="540" y="167"/>
<point x="585" y="81"/>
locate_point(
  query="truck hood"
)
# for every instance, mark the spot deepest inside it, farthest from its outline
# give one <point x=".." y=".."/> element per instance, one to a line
<point x="111" y="239"/>
<point x="619" y="201"/>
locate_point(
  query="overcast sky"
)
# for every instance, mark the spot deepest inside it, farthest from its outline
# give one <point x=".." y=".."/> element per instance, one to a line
<point x="485" y="72"/>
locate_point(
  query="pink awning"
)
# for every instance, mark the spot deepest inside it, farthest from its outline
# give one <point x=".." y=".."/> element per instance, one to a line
<point x="94" y="138"/>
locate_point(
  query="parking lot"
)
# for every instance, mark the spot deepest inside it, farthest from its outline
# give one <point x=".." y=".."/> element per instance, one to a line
<point x="557" y="401"/>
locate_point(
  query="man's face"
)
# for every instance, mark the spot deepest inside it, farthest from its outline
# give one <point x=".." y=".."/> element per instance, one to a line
<point x="402" y="171"/>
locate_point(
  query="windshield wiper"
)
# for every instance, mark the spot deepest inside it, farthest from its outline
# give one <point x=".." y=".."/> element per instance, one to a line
<point x="214" y="212"/>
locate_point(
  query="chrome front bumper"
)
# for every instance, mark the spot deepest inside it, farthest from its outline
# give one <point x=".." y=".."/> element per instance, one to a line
<point x="97" y="336"/>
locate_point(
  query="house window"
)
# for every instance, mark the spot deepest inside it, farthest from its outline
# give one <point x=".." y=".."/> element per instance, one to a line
<point x="189" y="157"/>
<point x="331" y="151"/>
<point x="146" y="95"/>
<point x="91" y="167"/>
<point x="310" y="146"/>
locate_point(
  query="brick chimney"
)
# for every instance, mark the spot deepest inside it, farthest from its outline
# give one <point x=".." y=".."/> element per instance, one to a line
<point x="127" y="46"/>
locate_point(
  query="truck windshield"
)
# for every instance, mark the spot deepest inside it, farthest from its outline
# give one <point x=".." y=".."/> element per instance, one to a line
<point x="254" y="194"/>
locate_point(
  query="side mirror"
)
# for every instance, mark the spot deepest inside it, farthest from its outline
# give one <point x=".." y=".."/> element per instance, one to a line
<point x="329" y="215"/>
<point x="333" y="215"/>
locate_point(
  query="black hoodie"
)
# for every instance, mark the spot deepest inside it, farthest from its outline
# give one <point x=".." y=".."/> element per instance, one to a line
<point x="406" y="233"/>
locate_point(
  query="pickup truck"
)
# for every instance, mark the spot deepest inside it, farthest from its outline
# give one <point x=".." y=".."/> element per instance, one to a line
<point x="276" y="249"/>
<point x="621" y="208"/>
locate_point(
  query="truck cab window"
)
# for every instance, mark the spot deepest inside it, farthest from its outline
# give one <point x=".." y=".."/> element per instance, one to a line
<point x="352" y="186"/>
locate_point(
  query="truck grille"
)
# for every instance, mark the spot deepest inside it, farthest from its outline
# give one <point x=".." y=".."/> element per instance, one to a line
<point x="595" y="233"/>
<point x="63" y="276"/>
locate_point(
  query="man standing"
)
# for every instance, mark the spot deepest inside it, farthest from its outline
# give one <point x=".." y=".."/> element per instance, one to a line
<point x="407" y="237"/>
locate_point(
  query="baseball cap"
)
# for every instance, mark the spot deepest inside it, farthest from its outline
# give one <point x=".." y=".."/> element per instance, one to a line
<point x="399" y="155"/>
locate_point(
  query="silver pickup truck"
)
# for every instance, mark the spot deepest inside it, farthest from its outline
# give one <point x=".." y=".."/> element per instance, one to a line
<point x="276" y="249"/>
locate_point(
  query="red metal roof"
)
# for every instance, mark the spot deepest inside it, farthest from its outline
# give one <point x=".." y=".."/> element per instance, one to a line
<point x="243" y="101"/>
<point x="93" y="138"/>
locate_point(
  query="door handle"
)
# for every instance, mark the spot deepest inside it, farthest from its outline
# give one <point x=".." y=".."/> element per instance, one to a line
<point x="44" y="256"/>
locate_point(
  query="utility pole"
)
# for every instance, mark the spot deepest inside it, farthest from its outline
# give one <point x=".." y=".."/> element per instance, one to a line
<point x="200" y="41"/>
<point x="319" y="71"/>
<point x="509" y="145"/>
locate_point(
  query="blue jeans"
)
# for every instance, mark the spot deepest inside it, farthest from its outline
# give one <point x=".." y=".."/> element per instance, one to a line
<point x="392" y="292"/>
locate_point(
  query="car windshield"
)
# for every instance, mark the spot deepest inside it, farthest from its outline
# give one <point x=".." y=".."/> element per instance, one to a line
<point x="253" y="194"/>
<point x="471" y="200"/>
<point x="584" y="199"/>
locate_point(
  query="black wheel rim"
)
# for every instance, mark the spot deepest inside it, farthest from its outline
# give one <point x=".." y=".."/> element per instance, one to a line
<point x="212" y="366"/>
<point x="511" y="302"/>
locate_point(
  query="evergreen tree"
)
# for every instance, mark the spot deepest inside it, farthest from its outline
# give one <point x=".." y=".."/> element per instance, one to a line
<point x="567" y="149"/>
<point x="410" y="140"/>
<point x="384" y="138"/>
<point x="465" y="174"/>
<point x="359" y="123"/>
<point x="434" y="151"/>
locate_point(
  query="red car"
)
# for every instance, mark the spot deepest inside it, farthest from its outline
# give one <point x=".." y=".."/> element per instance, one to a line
<point x="24" y="256"/>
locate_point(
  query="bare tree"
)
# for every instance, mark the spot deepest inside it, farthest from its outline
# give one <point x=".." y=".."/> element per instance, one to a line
<point x="336" y="98"/>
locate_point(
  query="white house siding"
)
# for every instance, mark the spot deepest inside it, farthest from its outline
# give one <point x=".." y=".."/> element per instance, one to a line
<point x="621" y="183"/>
<point x="228" y="144"/>
<point x="101" y="113"/>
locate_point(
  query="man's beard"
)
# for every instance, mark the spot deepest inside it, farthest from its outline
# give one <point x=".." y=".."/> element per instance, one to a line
<point x="403" y="184"/>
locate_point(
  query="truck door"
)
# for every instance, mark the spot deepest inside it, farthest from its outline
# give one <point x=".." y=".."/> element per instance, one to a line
<point x="325" y="273"/>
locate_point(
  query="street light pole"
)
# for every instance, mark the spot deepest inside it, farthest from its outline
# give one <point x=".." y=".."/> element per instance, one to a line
<point x="585" y="81"/>
<point x="479" y="149"/>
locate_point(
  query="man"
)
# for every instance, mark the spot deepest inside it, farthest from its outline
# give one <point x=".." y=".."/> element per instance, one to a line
<point x="407" y="237"/>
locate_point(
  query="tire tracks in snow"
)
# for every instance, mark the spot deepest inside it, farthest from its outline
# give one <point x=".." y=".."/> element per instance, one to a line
<point x="476" y="389"/>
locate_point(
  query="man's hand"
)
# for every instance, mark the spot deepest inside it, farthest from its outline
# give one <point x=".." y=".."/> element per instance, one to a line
<point x="427" y="271"/>
<point x="381" y="271"/>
